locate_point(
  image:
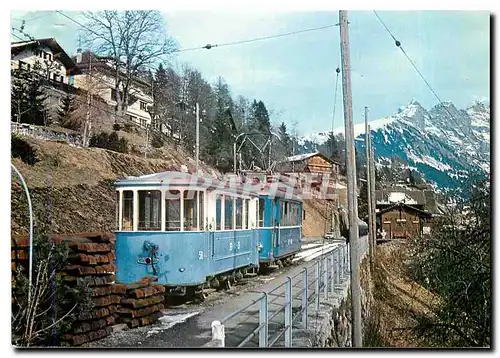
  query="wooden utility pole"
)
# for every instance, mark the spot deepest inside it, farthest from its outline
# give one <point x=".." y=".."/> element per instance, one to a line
<point x="197" y="136"/>
<point x="369" y="189"/>
<point x="352" y="202"/>
<point x="372" y="186"/>
<point x="88" y="121"/>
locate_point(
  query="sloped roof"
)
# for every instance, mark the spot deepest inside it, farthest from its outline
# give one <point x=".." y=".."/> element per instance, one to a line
<point x="301" y="157"/>
<point x="57" y="50"/>
<point x="400" y="205"/>
<point x="385" y="196"/>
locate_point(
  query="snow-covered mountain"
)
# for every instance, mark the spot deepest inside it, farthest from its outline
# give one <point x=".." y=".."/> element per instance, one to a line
<point x="445" y="145"/>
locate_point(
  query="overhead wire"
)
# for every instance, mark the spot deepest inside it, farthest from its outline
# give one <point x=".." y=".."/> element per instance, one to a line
<point x="210" y="46"/>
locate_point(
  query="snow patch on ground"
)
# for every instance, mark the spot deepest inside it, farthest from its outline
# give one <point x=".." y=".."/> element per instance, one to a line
<point x="168" y="321"/>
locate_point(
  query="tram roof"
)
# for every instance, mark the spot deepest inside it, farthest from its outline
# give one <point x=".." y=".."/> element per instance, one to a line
<point x="230" y="183"/>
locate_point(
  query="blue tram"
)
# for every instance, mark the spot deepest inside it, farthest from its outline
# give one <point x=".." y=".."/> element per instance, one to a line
<point x="187" y="231"/>
<point x="194" y="232"/>
<point x="279" y="227"/>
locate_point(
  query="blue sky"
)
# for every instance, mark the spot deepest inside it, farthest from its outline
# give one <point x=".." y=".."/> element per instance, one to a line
<point x="295" y="75"/>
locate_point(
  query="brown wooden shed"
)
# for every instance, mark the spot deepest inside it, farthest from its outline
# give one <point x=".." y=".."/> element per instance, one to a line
<point x="403" y="221"/>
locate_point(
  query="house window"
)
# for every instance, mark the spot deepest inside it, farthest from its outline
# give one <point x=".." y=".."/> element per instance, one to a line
<point x="149" y="210"/>
<point x="143" y="106"/>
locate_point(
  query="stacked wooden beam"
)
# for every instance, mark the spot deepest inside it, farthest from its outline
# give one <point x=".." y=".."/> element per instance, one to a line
<point x="92" y="263"/>
<point x="142" y="303"/>
<point x="19" y="252"/>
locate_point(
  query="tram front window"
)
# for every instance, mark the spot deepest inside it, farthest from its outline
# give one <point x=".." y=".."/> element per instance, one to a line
<point x="149" y="210"/>
<point x="172" y="210"/>
<point x="128" y="210"/>
<point x="190" y="210"/>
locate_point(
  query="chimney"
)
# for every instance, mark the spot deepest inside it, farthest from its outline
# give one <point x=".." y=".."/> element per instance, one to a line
<point x="79" y="55"/>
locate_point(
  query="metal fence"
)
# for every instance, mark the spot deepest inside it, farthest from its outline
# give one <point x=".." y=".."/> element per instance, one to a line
<point x="270" y="318"/>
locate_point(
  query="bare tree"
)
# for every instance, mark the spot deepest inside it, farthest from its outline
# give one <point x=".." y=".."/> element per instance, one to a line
<point x="133" y="41"/>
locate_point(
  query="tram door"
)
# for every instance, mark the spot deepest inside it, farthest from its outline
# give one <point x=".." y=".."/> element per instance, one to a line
<point x="276" y="226"/>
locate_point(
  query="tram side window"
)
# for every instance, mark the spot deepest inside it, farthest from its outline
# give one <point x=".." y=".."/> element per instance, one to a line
<point x="260" y="212"/>
<point x="190" y="212"/>
<point x="239" y="213"/>
<point x="202" y="212"/>
<point x="128" y="210"/>
<point x="228" y="213"/>
<point x="218" y="214"/>
<point x="149" y="210"/>
<point x="172" y="210"/>
<point x="247" y="211"/>
<point x="284" y="214"/>
<point x="293" y="214"/>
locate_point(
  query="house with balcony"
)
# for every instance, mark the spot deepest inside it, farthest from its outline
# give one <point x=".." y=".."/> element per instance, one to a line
<point x="98" y="76"/>
<point x="46" y="58"/>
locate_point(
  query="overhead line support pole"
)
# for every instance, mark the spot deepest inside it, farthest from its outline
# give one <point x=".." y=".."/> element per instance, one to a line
<point x="357" y="338"/>
<point x="368" y="187"/>
<point x="374" y="204"/>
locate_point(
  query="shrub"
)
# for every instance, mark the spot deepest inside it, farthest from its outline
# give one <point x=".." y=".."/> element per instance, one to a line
<point x="20" y="148"/>
<point x="109" y="141"/>
<point x="455" y="263"/>
<point x="54" y="303"/>
<point x="157" y="141"/>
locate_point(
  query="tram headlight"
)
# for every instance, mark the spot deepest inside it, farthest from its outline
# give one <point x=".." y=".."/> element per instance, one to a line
<point x="259" y="247"/>
<point x="182" y="269"/>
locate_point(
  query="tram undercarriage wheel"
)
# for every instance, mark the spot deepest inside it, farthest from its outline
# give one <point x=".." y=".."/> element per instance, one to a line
<point x="196" y="293"/>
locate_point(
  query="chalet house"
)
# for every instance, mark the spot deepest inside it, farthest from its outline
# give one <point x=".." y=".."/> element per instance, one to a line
<point x="310" y="163"/>
<point x="52" y="63"/>
<point x="403" y="212"/>
<point x="98" y="76"/>
<point x="402" y="221"/>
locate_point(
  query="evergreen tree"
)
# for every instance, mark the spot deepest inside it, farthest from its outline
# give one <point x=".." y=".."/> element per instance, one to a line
<point x="220" y="146"/>
<point x="286" y="142"/>
<point x="332" y="148"/>
<point x="28" y="96"/>
<point x="66" y="115"/>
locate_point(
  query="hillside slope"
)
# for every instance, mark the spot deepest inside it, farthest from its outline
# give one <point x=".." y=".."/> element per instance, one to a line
<point x="72" y="188"/>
